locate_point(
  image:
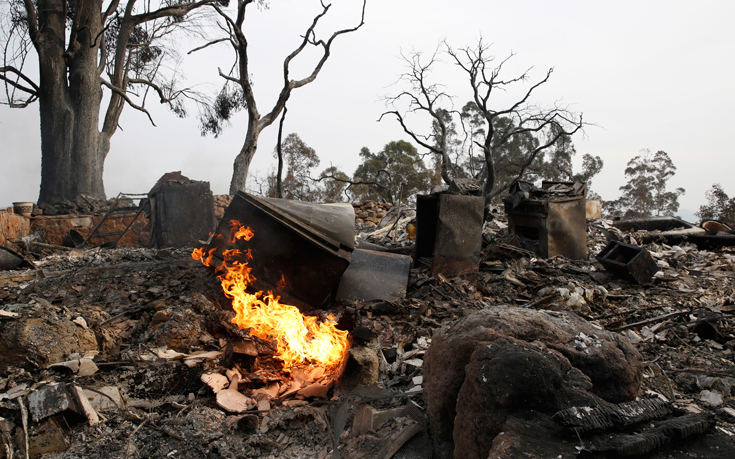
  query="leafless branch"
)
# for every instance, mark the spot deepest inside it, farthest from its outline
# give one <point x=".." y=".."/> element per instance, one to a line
<point x="33" y="90"/>
<point x="110" y="9"/>
<point x="207" y="45"/>
<point x="227" y="77"/>
<point x="164" y="98"/>
<point x="308" y="39"/>
<point x="426" y="98"/>
<point x="354" y="182"/>
<point x="178" y="10"/>
<point x="127" y="99"/>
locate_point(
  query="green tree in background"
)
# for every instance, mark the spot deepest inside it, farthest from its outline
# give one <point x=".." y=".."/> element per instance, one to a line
<point x="645" y="194"/>
<point x="719" y="206"/>
<point x="637" y="198"/>
<point x="664" y="202"/>
<point x="299" y="159"/>
<point x="395" y="173"/>
<point x="335" y="185"/>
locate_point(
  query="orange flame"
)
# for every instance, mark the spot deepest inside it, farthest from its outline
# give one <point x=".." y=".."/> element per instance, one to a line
<point x="300" y="339"/>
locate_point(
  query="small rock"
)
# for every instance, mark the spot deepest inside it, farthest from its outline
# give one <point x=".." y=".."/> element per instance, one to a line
<point x="43" y="340"/>
<point x="362" y="368"/>
<point x="159" y="316"/>
<point x="711" y="397"/>
<point x="47" y="401"/>
<point x="110" y="401"/>
<point x="315" y="390"/>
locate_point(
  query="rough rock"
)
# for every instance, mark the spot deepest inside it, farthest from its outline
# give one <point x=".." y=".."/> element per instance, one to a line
<point x="491" y="391"/>
<point x="221" y="203"/>
<point x="180" y="332"/>
<point x="13" y="226"/>
<point x="44" y="339"/>
<point x="612" y="364"/>
<point x="362" y="369"/>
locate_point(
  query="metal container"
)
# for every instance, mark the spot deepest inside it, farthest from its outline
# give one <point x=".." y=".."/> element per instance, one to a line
<point x="550" y="227"/>
<point x="375" y="276"/>
<point x="628" y="261"/>
<point x="182" y="213"/>
<point x="299" y="250"/>
<point x="449" y="232"/>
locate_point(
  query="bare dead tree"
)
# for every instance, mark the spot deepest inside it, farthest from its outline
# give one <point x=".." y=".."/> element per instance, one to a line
<point x="551" y="123"/>
<point x="425" y="97"/>
<point x="81" y="47"/>
<point x="240" y="76"/>
<point x="279" y="152"/>
<point x="521" y="118"/>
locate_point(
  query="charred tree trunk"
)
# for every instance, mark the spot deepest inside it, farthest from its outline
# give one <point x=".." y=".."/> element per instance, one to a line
<point x="72" y="155"/>
<point x="70" y="38"/>
<point x="245" y="157"/>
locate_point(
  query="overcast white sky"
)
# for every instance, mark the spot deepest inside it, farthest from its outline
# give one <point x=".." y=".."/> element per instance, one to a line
<point x="649" y="74"/>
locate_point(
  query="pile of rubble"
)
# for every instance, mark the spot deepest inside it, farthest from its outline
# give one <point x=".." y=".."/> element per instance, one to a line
<point x="370" y="213"/>
<point x="221" y="202"/>
<point x="132" y="353"/>
<point x="84" y="205"/>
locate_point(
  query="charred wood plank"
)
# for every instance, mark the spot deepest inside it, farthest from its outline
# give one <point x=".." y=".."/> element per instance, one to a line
<point x="665" y="432"/>
<point x="396" y="442"/>
<point x="652" y="320"/>
<point x="594" y="419"/>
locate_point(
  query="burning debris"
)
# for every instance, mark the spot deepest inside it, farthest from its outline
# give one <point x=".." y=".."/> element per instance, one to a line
<point x="300" y="340"/>
<point x="133" y="352"/>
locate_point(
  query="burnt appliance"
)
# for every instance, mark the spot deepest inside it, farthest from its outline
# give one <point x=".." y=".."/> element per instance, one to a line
<point x="551" y="220"/>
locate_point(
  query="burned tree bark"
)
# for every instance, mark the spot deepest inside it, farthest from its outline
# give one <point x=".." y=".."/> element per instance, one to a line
<point x="69" y="94"/>
<point x="76" y="43"/>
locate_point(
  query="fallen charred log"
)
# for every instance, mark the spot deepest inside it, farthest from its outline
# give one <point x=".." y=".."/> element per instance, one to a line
<point x="586" y="419"/>
<point x="647" y="441"/>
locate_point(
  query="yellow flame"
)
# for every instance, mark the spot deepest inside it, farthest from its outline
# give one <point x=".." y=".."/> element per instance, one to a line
<point x="300" y="339"/>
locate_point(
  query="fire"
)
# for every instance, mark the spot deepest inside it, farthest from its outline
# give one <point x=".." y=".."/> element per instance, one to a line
<point x="300" y="340"/>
